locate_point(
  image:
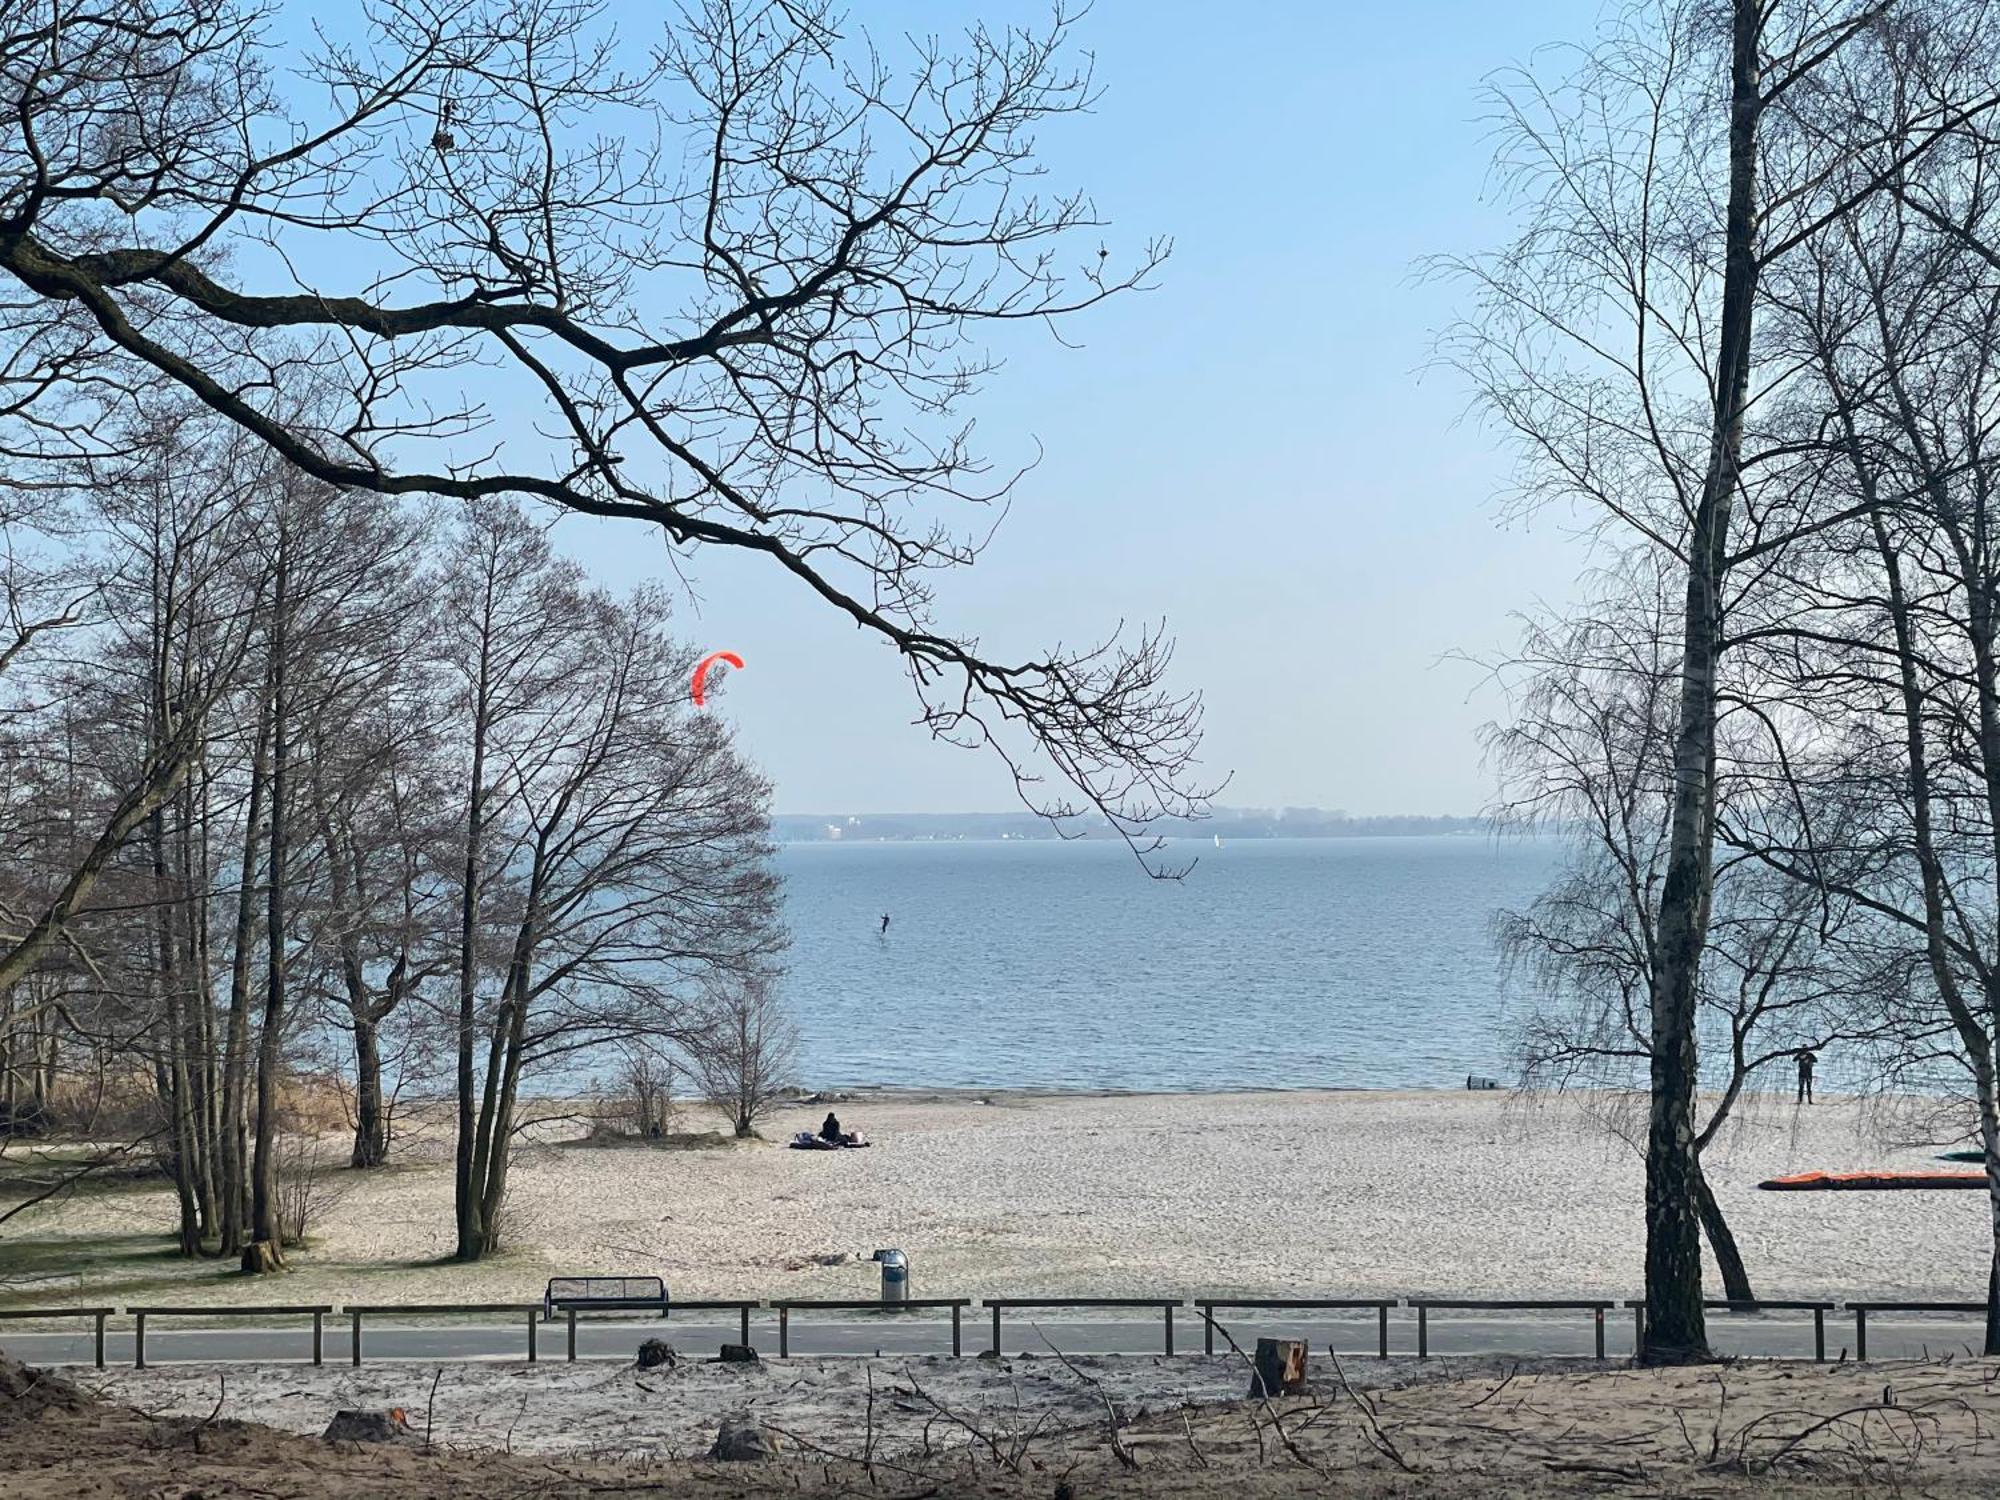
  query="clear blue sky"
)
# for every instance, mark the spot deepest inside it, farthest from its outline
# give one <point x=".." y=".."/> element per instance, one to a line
<point x="1253" y="450"/>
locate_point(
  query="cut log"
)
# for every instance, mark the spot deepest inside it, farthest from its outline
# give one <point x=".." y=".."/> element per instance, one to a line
<point x="1280" y="1368"/>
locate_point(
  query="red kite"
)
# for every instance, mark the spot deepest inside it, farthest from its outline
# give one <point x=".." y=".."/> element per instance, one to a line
<point x="701" y="673"/>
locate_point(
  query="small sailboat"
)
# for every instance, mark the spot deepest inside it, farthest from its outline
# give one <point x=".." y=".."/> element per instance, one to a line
<point x="1218" y="841"/>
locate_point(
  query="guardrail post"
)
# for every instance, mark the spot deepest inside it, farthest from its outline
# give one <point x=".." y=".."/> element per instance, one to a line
<point x="139" y="1341"/>
<point x="1638" y="1328"/>
<point x="319" y="1337"/>
<point x="1169" y="1309"/>
<point x="100" y="1339"/>
<point x="1382" y="1330"/>
<point x="996" y="1332"/>
<point x="745" y="1311"/>
<point x="1819" y="1335"/>
<point x="532" y="1336"/>
<point x="1861" y="1333"/>
<point x="1423" y="1332"/>
<point x="1598" y="1315"/>
<point x="1207" y="1326"/>
<point x="354" y="1337"/>
<point x="572" y="1334"/>
<point x="956" y="1349"/>
<point x="784" y="1332"/>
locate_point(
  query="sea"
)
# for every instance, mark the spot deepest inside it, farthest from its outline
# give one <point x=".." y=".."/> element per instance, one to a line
<point x="1043" y="964"/>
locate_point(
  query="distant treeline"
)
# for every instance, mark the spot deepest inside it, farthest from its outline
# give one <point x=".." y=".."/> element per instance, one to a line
<point x="1226" y="822"/>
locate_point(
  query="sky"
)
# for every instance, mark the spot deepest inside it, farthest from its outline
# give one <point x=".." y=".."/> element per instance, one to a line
<point x="1254" y="451"/>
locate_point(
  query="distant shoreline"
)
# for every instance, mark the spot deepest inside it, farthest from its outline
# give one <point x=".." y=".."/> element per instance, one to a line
<point x="1226" y="824"/>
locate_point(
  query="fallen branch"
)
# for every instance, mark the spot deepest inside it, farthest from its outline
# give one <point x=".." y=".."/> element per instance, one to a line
<point x="1118" y="1445"/>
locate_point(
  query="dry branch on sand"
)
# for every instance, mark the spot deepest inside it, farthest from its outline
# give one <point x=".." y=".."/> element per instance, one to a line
<point x="1022" y="1427"/>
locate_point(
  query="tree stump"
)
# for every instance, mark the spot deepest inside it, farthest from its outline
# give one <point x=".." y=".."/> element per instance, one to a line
<point x="260" y="1257"/>
<point x="740" y="1439"/>
<point x="363" y="1426"/>
<point x="657" y="1352"/>
<point x="1280" y="1368"/>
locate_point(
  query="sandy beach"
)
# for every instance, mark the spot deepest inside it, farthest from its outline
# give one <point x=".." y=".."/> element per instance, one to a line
<point x="1295" y="1193"/>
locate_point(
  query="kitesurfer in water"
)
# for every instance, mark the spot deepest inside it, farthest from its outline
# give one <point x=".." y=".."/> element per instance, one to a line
<point x="885" y="925"/>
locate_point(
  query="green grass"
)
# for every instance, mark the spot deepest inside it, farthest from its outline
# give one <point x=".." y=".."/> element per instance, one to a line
<point x="66" y="1268"/>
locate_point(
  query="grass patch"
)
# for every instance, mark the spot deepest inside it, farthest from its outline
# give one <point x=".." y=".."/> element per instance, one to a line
<point x="26" y="1171"/>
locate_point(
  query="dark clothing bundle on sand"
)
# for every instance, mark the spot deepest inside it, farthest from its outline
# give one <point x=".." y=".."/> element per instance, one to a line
<point x="830" y="1137"/>
<point x="805" y="1140"/>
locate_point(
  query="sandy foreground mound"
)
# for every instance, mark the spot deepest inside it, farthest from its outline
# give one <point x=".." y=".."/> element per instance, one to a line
<point x="903" y="1429"/>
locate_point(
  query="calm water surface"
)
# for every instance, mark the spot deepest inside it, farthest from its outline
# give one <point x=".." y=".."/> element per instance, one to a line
<point x="1277" y="963"/>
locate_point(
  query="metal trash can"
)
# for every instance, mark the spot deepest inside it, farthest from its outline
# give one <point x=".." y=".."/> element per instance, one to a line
<point x="1477" y="1082"/>
<point x="895" y="1275"/>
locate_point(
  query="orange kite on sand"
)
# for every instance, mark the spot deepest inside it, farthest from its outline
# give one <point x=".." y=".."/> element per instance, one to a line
<point x="1862" y="1182"/>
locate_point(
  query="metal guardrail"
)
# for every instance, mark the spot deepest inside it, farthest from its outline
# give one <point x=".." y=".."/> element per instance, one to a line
<point x="530" y="1310"/>
<point x="1861" y="1310"/>
<point x="1819" y="1310"/>
<point x="786" y="1306"/>
<point x="1596" y="1307"/>
<point x="97" y="1314"/>
<point x="1382" y="1306"/>
<point x="998" y="1304"/>
<point x="141" y="1314"/>
<point x="1206" y="1308"/>
<point x="743" y="1308"/>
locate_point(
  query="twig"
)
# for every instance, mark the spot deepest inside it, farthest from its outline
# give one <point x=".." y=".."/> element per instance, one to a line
<point x="868" y="1439"/>
<point x="194" y="1436"/>
<point x="430" y="1407"/>
<point x="1118" y="1446"/>
<point x="1377" y="1437"/>
<point x="1193" y="1447"/>
<point x="984" y="1438"/>
<point x="1496" y="1389"/>
<point x="1633" y="1473"/>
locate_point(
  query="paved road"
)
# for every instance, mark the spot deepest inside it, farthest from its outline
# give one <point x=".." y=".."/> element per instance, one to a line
<point x="1782" y="1335"/>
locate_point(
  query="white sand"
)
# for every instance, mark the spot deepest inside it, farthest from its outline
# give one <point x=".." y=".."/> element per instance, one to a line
<point x="1307" y="1194"/>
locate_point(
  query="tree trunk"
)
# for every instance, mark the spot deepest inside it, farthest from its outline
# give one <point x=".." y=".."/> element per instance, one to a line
<point x="236" y="1053"/>
<point x="371" y="1137"/>
<point x="1676" y="1329"/>
<point x="1722" y="1243"/>
<point x="466" y="1194"/>
<point x="264" y="1229"/>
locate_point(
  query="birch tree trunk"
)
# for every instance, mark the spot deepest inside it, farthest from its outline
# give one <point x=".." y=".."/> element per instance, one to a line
<point x="1676" y="1330"/>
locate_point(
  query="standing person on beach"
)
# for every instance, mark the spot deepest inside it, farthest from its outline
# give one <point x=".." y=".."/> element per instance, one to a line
<point x="1806" y="1058"/>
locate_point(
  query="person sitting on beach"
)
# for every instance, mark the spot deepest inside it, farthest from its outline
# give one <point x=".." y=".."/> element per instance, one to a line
<point x="829" y="1131"/>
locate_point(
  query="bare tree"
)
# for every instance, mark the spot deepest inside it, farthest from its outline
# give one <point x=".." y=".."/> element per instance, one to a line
<point x="1694" y="153"/>
<point x="745" y="1051"/>
<point x="615" y="852"/>
<point x="1587" y="755"/>
<point x="739" y="279"/>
